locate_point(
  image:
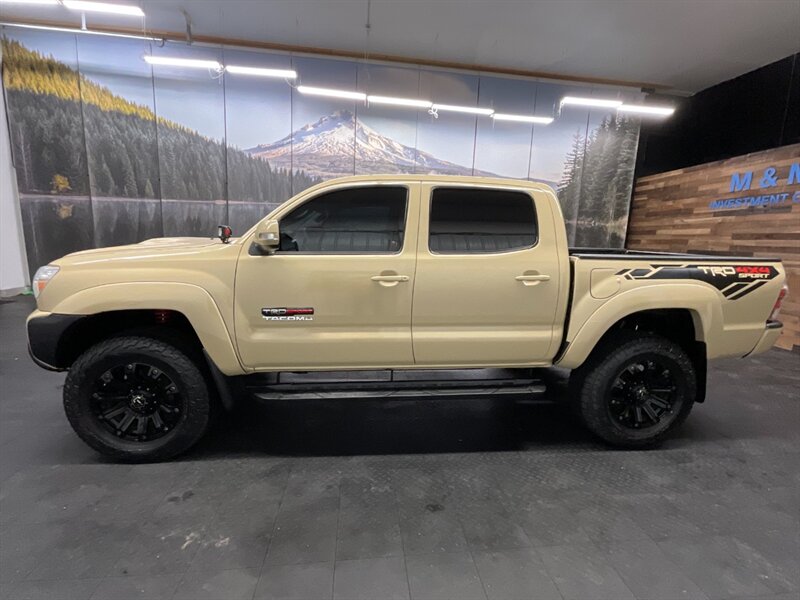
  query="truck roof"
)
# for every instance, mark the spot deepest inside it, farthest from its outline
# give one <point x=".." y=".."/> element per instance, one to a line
<point x="463" y="179"/>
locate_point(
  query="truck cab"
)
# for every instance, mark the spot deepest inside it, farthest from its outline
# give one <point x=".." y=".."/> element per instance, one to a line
<point x="466" y="267"/>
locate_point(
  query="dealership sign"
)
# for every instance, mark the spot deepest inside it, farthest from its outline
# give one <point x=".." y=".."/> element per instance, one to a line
<point x="769" y="197"/>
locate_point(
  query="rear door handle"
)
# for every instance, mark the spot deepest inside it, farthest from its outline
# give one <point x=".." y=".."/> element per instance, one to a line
<point x="524" y="278"/>
<point x="390" y="278"/>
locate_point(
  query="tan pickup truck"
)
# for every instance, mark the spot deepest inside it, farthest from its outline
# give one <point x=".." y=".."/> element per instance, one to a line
<point x="391" y="277"/>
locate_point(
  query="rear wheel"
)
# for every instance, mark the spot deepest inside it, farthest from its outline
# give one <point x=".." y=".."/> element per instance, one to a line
<point x="137" y="399"/>
<point x="634" y="389"/>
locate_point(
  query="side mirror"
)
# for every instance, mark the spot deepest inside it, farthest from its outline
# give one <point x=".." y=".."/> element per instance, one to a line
<point x="268" y="236"/>
<point x="224" y="233"/>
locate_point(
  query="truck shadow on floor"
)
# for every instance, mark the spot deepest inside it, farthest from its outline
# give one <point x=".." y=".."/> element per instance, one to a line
<point x="381" y="426"/>
<point x="353" y="427"/>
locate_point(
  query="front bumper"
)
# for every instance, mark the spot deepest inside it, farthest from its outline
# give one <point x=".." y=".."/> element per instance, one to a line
<point x="45" y="333"/>
<point x="768" y="338"/>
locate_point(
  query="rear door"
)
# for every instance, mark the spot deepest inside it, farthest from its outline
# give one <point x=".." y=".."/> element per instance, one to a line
<point x="488" y="277"/>
<point x="337" y="293"/>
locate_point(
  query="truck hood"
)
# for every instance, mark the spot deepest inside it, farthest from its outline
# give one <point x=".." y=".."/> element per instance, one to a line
<point x="147" y="249"/>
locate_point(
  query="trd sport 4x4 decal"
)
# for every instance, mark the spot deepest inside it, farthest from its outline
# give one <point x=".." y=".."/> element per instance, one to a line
<point x="734" y="281"/>
<point x="287" y="314"/>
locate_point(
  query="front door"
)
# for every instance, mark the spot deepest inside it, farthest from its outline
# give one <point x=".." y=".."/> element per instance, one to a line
<point x="488" y="278"/>
<point x="337" y="294"/>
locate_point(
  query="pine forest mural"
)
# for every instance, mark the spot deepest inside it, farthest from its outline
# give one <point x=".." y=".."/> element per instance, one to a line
<point x="109" y="150"/>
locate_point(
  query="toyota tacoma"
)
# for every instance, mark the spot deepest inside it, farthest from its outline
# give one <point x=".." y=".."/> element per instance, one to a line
<point x="404" y="283"/>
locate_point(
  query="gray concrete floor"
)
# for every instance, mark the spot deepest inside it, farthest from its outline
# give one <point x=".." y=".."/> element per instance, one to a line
<point x="452" y="499"/>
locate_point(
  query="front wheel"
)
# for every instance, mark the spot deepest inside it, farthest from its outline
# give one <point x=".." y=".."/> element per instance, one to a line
<point x="137" y="399"/>
<point x="635" y="389"/>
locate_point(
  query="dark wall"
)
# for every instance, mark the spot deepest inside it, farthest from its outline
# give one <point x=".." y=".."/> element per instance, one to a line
<point x="756" y="111"/>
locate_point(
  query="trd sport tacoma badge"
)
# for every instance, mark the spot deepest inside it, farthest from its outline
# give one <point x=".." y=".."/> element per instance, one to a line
<point x="734" y="281"/>
<point x="288" y="314"/>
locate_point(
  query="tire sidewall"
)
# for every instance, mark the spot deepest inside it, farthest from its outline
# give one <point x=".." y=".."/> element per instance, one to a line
<point x="600" y="374"/>
<point x="183" y="372"/>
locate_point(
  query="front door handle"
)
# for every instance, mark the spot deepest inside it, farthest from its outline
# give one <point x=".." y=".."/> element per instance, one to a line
<point x="390" y="278"/>
<point x="532" y="279"/>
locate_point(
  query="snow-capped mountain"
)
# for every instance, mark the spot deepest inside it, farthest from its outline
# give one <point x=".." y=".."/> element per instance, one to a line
<point x="336" y="143"/>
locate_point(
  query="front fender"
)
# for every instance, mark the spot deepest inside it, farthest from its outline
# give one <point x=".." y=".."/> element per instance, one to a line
<point x="702" y="302"/>
<point x="195" y="303"/>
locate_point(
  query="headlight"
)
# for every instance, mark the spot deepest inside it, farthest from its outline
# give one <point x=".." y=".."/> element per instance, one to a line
<point x="42" y="278"/>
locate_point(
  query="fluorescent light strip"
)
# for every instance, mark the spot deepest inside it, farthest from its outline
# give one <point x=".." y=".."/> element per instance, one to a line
<point x="192" y="63"/>
<point x="315" y="91"/>
<point x="104" y="7"/>
<point x="657" y="111"/>
<point x="523" y="118"/>
<point x="399" y="101"/>
<point x="258" y="71"/>
<point x="598" y="102"/>
<point x="83" y="31"/>
<point x="463" y="109"/>
<point x="51" y="2"/>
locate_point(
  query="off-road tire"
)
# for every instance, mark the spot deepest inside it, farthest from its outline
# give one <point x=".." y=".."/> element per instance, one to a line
<point x="590" y="386"/>
<point x="182" y="370"/>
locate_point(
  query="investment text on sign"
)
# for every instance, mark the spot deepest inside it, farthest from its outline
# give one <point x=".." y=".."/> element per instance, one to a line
<point x="768" y="198"/>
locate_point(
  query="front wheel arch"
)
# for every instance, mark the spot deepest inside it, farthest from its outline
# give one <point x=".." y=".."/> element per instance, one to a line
<point x="194" y="302"/>
<point x="88" y="330"/>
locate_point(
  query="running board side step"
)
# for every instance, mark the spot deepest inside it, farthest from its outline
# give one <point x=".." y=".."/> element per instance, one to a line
<point x="398" y="389"/>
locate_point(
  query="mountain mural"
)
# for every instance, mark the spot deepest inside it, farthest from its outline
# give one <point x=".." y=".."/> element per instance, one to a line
<point x="326" y="149"/>
<point x="97" y="165"/>
<point x="71" y="135"/>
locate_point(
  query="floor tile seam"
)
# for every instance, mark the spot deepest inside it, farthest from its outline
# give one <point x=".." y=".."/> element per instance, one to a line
<point x="274" y="528"/>
<point x="609" y="564"/>
<point x="399" y="517"/>
<point x="336" y="538"/>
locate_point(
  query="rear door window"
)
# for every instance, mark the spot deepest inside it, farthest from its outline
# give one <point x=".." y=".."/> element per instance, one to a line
<point x="481" y="221"/>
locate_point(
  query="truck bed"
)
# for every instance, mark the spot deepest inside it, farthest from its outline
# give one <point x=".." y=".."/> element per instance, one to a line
<point x="728" y="298"/>
<point x="625" y="254"/>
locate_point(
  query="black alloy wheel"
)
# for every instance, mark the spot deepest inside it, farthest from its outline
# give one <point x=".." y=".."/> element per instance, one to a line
<point x="136" y="401"/>
<point x="634" y="388"/>
<point x="642" y="394"/>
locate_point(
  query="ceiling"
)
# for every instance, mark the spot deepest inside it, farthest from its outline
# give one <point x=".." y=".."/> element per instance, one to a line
<point x="679" y="45"/>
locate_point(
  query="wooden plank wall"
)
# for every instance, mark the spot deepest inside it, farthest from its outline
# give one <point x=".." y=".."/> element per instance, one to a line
<point x="670" y="211"/>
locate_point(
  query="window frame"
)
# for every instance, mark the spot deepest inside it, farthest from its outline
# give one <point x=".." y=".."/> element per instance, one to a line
<point x="528" y="193"/>
<point x="325" y="192"/>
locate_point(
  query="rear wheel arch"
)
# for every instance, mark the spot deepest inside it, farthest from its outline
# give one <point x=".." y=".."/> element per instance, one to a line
<point x="683" y="326"/>
<point x="697" y="305"/>
<point x="590" y="321"/>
